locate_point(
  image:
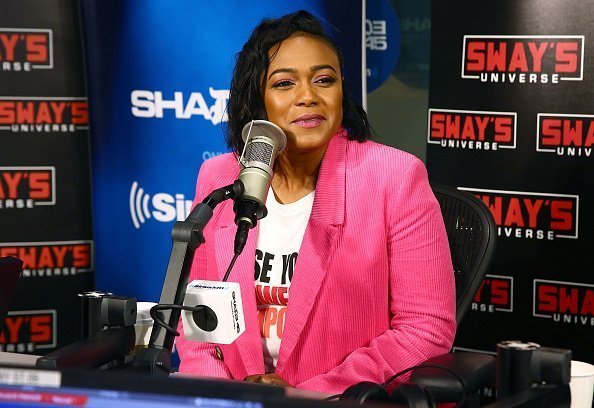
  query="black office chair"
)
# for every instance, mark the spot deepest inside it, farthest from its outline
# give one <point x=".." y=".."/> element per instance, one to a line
<point x="472" y="233"/>
<point x="458" y="377"/>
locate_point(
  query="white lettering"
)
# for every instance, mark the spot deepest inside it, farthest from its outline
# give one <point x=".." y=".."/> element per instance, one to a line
<point x="207" y="155"/>
<point x="149" y="104"/>
<point x="469" y="144"/>
<point x="164" y="205"/>
<point x="525" y="233"/>
<point x="521" y="78"/>
<point x="574" y="151"/>
<point x="177" y="103"/>
<point x="142" y="104"/>
<point x="196" y="106"/>
<point x="218" y="111"/>
<point x="376" y="38"/>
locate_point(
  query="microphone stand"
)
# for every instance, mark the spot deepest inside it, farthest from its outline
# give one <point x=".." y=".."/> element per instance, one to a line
<point x="187" y="237"/>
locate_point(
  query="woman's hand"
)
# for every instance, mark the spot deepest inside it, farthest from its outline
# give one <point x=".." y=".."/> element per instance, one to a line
<point x="270" y="379"/>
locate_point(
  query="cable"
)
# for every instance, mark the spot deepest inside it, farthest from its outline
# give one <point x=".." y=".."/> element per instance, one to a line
<point x="241" y="236"/>
<point x="449" y="370"/>
<point x="230" y="267"/>
<point x="162" y="323"/>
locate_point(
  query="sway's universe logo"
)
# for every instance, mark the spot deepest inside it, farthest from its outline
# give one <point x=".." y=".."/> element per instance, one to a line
<point x="162" y="207"/>
<point x="495" y="294"/>
<point x="565" y="134"/>
<point x="520" y="214"/>
<point x="27" y="187"/>
<point x="152" y="104"/>
<point x="523" y="59"/>
<point x="25" y="49"/>
<point x="476" y="130"/>
<point x="564" y="302"/>
<point x="35" y="114"/>
<point x="47" y="259"/>
<point x="28" y="331"/>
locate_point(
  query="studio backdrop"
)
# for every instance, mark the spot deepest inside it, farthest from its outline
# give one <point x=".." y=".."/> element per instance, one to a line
<point x="45" y="205"/>
<point x="511" y="120"/>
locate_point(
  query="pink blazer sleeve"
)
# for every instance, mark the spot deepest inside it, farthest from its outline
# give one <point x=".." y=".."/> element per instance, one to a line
<point x="200" y="359"/>
<point x="422" y="291"/>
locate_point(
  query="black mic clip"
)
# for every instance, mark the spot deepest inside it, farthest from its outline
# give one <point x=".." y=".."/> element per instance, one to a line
<point x="261" y="212"/>
<point x="233" y="191"/>
<point x="190" y="230"/>
<point x="249" y="211"/>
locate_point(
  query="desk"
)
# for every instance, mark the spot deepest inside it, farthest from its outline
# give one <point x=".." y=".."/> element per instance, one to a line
<point x="16" y="359"/>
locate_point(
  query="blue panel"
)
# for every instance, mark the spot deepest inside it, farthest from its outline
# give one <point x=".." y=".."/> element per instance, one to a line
<point x="158" y="78"/>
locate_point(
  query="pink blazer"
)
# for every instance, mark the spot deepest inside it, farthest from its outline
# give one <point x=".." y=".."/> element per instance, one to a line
<point x="373" y="289"/>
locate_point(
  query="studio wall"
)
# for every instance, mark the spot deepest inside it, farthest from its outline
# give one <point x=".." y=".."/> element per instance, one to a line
<point x="45" y="202"/>
<point x="510" y="120"/>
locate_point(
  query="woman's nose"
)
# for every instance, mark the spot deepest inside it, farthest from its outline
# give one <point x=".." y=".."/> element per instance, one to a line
<point x="306" y="95"/>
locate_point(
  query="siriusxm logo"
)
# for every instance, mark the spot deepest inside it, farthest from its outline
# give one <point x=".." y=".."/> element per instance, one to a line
<point x="152" y="104"/>
<point x="162" y="207"/>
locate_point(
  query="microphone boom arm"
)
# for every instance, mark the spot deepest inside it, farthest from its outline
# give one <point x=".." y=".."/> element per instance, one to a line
<point x="187" y="237"/>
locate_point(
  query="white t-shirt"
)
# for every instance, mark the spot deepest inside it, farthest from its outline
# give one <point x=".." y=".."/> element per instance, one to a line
<point x="279" y="239"/>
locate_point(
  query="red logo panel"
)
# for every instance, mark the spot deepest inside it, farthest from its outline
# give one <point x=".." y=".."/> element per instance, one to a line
<point x="565" y="134"/>
<point x="25" y="49"/>
<point x="47" y="259"/>
<point x="523" y="59"/>
<point x="564" y="302"/>
<point x="494" y="295"/>
<point x="41" y="114"/>
<point x="27" y="331"/>
<point x="27" y="187"/>
<point x="475" y="130"/>
<point x="529" y="215"/>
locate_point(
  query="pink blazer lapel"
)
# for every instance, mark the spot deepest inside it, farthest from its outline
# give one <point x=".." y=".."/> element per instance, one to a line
<point x="318" y="243"/>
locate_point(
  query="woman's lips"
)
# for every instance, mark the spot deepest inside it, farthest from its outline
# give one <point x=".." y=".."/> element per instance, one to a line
<point x="309" y="121"/>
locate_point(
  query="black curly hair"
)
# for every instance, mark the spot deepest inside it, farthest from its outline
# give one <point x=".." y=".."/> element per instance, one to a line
<point x="246" y="101"/>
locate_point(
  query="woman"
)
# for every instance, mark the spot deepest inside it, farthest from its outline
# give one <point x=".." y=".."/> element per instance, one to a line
<point x="354" y="233"/>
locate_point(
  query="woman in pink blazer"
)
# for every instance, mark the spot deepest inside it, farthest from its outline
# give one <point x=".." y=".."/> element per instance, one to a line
<point x="372" y="291"/>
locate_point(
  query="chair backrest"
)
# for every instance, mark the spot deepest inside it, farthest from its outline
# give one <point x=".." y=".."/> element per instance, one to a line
<point x="472" y="234"/>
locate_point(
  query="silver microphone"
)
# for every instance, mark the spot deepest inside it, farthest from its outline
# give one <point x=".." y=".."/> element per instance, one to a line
<point x="263" y="142"/>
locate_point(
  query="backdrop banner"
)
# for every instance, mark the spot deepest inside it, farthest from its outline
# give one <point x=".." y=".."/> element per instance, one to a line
<point x="158" y="80"/>
<point x="511" y="120"/>
<point x="45" y="213"/>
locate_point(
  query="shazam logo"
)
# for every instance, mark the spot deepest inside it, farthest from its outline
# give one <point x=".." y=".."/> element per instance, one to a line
<point x="162" y="207"/>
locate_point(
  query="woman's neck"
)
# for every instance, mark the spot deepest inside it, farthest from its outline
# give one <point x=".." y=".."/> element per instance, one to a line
<point x="295" y="175"/>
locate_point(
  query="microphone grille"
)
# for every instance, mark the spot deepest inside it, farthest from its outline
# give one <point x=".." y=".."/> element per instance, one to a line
<point x="259" y="151"/>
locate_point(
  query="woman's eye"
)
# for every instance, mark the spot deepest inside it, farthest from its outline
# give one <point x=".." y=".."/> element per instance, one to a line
<point x="325" y="80"/>
<point x="282" y="84"/>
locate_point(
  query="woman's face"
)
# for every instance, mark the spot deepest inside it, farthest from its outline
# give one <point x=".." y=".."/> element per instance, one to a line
<point x="303" y="91"/>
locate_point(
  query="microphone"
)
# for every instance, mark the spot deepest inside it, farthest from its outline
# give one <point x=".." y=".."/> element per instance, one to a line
<point x="220" y="318"/>
<point x="263" y="142"/>
<point x="218" y="314"/>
